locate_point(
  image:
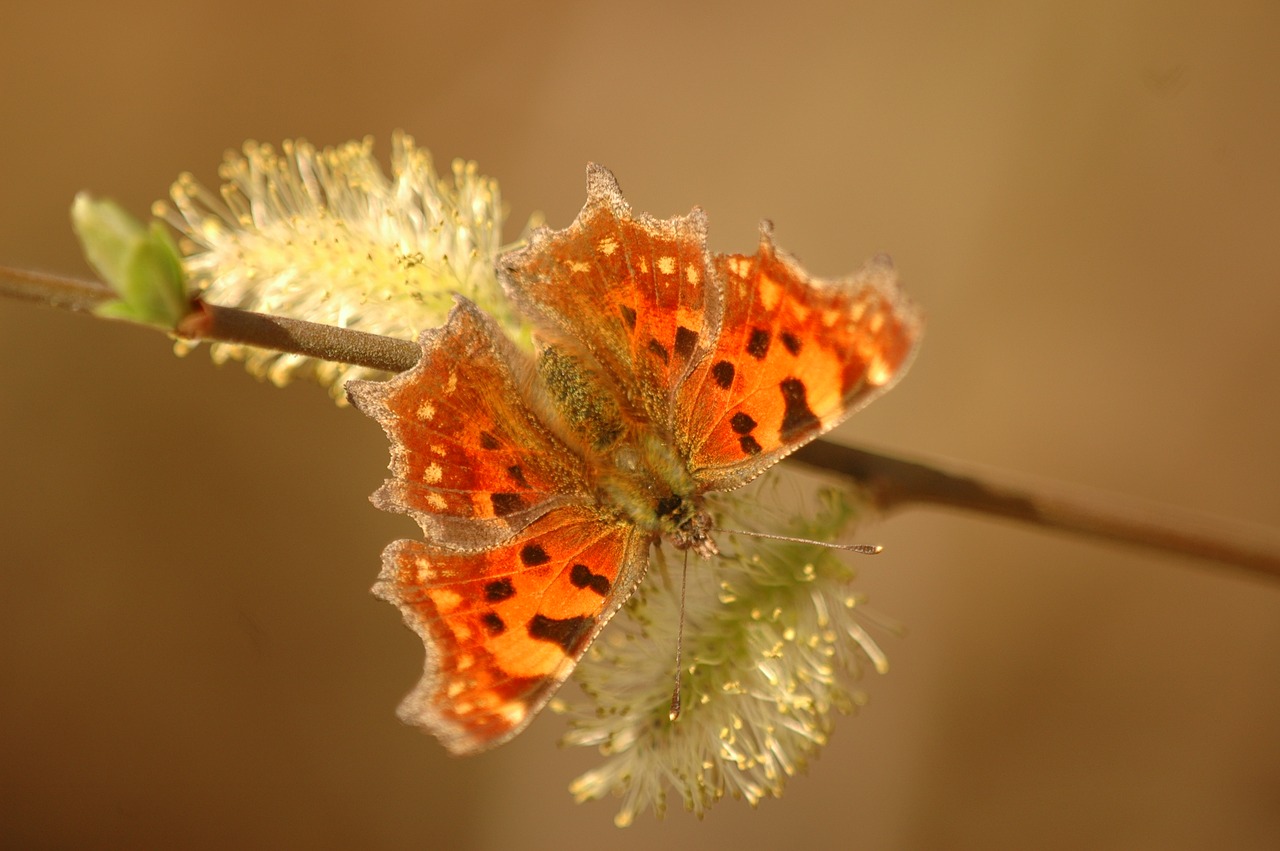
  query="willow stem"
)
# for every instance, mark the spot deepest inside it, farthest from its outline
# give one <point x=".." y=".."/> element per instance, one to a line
<point x="52" y="290"/>
<point x="892" y="483"/>
<point x="295" y="336"/>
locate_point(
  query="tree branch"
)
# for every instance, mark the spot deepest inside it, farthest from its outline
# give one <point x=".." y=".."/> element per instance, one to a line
<point x="53" y="290"/>
<point x="896" y="483"/>
<point x="893" y="483"/>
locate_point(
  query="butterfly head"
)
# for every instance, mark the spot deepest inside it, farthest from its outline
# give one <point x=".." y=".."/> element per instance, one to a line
<point x="692" y="532"/>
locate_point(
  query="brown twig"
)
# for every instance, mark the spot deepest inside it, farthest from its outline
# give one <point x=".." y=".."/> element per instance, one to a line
<point x="896" y="483"/>
<point x="325" y="342"/>
<point x="893" y="483"/>
<point x="52" y="290"/>
<point x="227" y="324"/>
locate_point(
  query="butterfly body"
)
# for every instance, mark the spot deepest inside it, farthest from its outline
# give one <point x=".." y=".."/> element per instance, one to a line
<point x="664" y="374"/>
<point x="631" y="463"/>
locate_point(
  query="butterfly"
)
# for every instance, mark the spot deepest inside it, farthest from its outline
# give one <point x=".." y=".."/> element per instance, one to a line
<point x="663" y="373"/>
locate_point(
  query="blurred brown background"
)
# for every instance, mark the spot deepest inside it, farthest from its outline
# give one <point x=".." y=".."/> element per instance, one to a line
<point x="1084" y="196"/>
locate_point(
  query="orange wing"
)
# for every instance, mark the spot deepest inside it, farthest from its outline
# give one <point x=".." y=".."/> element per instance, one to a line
<point x="794" y="357"/>
<point x="504" y="627"/>
<point x="632" y="291"/>
<point x="471" y="462"/>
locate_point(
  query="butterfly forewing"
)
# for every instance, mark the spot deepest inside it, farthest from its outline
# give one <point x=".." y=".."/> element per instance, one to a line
<point x="632" y="291"/>
<point x="795" y="357"/>
<point x="471" y="461"/>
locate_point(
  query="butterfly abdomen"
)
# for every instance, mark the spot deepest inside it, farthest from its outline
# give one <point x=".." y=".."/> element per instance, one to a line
<point x="636" y="471"/>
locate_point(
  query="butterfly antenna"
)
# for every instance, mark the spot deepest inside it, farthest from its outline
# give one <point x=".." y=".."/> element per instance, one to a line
<point x="675" y="695"/>
<point x="861" y="549"/>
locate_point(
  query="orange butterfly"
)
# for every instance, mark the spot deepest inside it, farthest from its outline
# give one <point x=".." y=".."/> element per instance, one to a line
<point x="664" y="373"/>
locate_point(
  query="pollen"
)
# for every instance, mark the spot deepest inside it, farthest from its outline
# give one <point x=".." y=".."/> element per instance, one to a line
<point x="323" y="234"/>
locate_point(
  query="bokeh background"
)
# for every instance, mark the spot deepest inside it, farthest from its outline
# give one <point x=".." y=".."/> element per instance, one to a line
<point x="1084" y="196"/>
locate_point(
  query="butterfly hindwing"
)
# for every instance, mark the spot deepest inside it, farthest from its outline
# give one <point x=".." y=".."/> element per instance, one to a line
<point x="503" y="627"/>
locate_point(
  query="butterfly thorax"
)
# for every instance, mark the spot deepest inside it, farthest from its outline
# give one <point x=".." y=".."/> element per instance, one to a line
<point x="632" y="462"/>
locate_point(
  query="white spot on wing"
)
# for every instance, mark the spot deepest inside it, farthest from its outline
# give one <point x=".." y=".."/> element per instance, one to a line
<point x="446" y="601"/>
<point x="770" y="292"/>
<point x="514" y="712"/>
<point x="878" y="372"/>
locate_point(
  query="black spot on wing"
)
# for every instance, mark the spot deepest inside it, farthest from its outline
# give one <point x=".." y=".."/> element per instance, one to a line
<point x="686" y="339"/>
<point x="533" y="555"/>
<point x="569" y="633"/>
<point x="749" y="444"/>
<point x="499" y="590"/>
<point x="758" y="343"/>
<point x="742" y="423"/>
<point x="628" y="316"/>
<point x="659" y="350"/>
<point x="517" y="475"/>
<point x="505" y="503"/>
<point x="790" y="342"/>
<point x="797" y="417"/>
<point x="582" y="577"/>
<point x="493" y="623"/>
<point x="488" y="441"/>
<point x="722" y="372"/>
